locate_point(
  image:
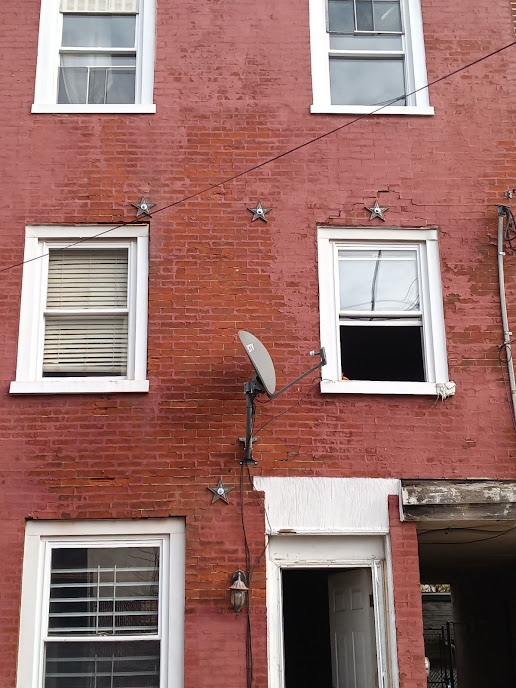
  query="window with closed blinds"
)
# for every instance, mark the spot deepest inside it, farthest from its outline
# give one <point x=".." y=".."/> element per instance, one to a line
<point x="86" y="314"/>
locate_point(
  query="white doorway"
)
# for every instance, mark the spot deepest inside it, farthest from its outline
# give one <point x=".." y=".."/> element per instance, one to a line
<point x="329" y="612"/>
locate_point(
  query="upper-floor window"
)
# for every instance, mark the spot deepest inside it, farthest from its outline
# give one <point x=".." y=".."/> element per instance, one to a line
<point x="381" y="312"/>
<point x="368" y="54"/>
<point x="83" y="319"/>
<point x="95" y="56"/>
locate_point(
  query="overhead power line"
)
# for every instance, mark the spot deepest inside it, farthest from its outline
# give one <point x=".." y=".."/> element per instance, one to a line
<point x="258" y="166"/>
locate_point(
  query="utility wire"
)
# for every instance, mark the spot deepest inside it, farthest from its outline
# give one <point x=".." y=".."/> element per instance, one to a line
<point x="280" y="155"/>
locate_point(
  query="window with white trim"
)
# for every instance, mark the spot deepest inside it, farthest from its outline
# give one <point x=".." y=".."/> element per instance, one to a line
<point x="368" y="54"/>
<point x="83" y="319"/>
<point x="102" y="604"/>
<point x="382" y="320"/>
<point x="95" y="56"/>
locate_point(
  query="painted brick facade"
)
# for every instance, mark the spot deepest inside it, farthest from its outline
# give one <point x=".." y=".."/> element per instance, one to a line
<point x="233" y="89"/>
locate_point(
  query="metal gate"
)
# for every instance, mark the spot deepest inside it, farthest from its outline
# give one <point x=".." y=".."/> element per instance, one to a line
<point x="440" y="650"/>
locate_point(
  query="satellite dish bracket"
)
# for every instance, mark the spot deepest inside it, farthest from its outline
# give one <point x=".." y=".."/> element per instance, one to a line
<point x="251" y="390"/>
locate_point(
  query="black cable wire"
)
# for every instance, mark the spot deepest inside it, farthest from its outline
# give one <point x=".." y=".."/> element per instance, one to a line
<point x="280" y="155"/>
<point x="469" y="542"/>
<point x="248" y="644"/>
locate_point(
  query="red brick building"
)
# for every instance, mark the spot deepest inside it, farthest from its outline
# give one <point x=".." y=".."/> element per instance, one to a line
<point x="123" y="375"/>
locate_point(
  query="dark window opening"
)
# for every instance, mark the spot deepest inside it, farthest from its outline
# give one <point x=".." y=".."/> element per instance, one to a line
<point x="382" y="353"/>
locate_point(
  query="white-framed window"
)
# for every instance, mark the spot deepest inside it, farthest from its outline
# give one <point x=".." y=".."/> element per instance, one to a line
<point x="367" y="53"/>
<point x="102" y="604"/>
<point x="95" y="56"/>
<point x="83" y="314"/>
<point x="382" y="321"/>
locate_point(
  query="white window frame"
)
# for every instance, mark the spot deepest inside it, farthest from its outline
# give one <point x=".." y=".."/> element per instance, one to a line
<point x="434" y="340"/>
<point x="332" y="552"/>
<point x="38" y="240"/>
<point x="415" y="64"/>
<point x="42" y="536"/>
<point x="47" y="70"/>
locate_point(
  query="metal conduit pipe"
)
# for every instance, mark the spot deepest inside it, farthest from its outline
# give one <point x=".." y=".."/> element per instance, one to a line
<point x="503" y="212"/>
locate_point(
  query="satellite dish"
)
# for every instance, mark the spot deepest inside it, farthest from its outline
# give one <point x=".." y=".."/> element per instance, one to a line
<point x="263" y="381"/>
<point x="261" y="360"/>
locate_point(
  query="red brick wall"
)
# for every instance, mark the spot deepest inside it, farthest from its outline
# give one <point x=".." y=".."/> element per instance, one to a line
<point x="407" y="599"/>
<point x="232" y="89"/>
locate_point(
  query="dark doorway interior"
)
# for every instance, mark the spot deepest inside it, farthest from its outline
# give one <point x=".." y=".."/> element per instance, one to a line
<point x="306" y="628"/>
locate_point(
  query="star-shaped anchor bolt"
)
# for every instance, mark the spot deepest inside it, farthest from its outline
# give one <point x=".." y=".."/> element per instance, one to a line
<point x="376" y="211"/>
<point x="220" y="492"/>
<point x="143" y="207"/>
<point x="259" y="212"/>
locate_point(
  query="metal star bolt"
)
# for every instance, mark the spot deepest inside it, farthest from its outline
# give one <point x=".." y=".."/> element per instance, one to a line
<point x="220" y="492"/>
<point x="376" y="211"/>
<point x="259" y="212"/>
<point x="143" y="207"/>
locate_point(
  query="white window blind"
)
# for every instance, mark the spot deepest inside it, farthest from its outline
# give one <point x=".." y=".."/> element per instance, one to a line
<point x="86" y="315"/>
<point x="100" y="6"/>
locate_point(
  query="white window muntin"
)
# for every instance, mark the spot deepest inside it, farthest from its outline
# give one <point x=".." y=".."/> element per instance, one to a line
<point x="29" y="378"/>
<point x="42" y="536"/>
<point x="420" y="318"/>
<point x="50" y="50"/>
<point x="414" y="62"/>
<point x="430" y="277"/>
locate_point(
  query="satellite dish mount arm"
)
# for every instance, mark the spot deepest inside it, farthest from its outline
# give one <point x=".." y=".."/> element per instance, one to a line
<point x="322" y="363"/>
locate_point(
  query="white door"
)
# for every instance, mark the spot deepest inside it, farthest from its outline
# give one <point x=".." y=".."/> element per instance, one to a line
<point x="352" y="629"/>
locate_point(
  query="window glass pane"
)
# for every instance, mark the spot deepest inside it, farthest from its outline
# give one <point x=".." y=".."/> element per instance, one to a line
<point x="378" y="280"/>
<point x="367" y="81"/>
<point x="97" y="31"/>
<point x="97" y="60"/>
<point x="120" y="85"/>
<point x="73" y="85"/>
<point x="364" y="15"/>
<point x="111" y="85"/>
<point x="97" y="591"/>
<point x="341" y="16"/>
<point x="387" y="16"/>
<point x="382" y="353"/>
<point x="366" y="42"/>
<point x="134" y="664"/>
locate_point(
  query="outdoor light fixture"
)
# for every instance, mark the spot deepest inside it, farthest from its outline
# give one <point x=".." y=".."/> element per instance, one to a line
<point x="238" y="590"/>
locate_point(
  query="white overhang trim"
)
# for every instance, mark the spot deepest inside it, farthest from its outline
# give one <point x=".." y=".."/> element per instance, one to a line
<point x="327" y="506"/>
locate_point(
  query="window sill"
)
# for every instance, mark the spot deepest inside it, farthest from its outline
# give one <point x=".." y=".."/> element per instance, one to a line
<point x="372" y="109"/>
<point x="129" y="109"/>
<point x="442" y="389"/>
<point x="78" y="385"/>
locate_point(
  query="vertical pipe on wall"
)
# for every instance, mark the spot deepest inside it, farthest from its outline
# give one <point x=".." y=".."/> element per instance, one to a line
<point x="503" y="213"/>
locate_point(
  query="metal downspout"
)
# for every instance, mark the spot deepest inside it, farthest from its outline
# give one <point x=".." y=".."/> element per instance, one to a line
<point x="502" y="212"/>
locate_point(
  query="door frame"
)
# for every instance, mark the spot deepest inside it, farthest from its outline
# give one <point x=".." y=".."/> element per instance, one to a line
<point x="337" y="552"/>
